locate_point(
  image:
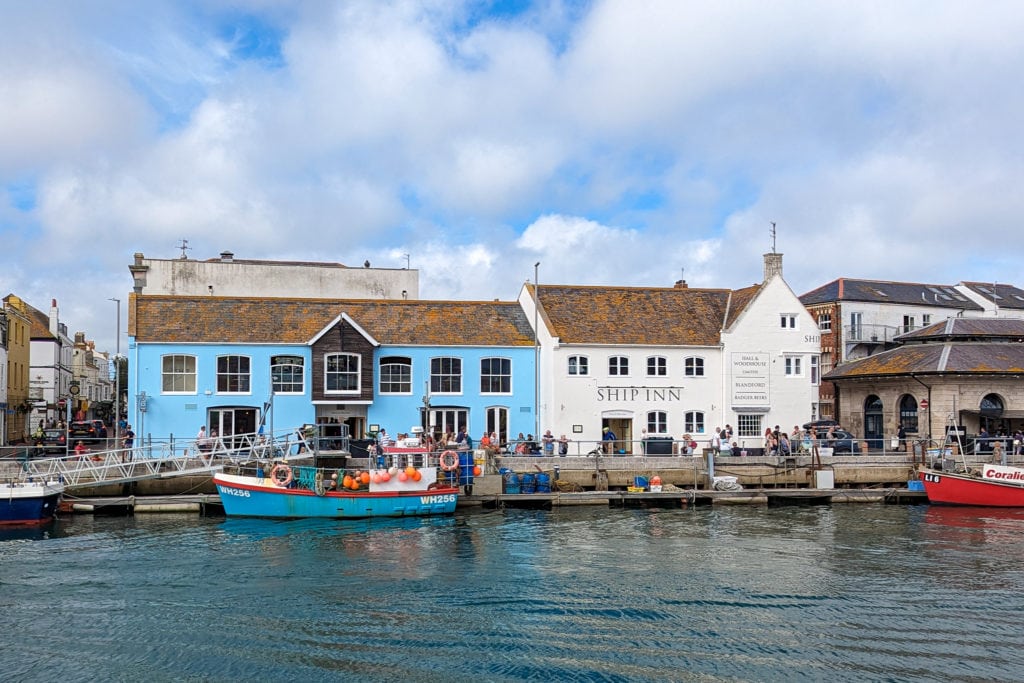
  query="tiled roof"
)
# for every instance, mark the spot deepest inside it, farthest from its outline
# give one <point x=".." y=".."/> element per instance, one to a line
<point x="968" y="328"/>
<point x="212" y="319"/>
<point x="973" y="358"/>
<point x="1004" y="296"/>
<point x="661" y="316"/>
<point x="39" y="322"/>
<point x="882" y="291"/>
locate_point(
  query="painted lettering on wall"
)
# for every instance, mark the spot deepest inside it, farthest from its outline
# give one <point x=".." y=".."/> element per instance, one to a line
<point x="750" y="373"/>
<point x="812" y="338"/>
<point x="625" y="394"/>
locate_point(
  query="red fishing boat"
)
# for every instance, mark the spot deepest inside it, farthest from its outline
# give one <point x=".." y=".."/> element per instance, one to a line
<point x="983" y="485"/>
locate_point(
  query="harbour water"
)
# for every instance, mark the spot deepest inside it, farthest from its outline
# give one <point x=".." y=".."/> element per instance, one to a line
<point x="866" y="592"/>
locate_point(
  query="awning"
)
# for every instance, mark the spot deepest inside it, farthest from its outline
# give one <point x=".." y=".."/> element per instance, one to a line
<point x="751" y="409"/>
<point x="996" y="415"/>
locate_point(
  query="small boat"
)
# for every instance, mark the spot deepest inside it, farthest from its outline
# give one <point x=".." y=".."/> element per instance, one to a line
<point x="399" y="490"/>
<point x="28" y="502"/>
<point x="983" y="485"/>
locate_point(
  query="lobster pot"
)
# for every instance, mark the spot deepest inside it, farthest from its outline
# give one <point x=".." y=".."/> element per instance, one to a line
<point x="543" y="482"/>
<point x="527" y="483"/>
<point x="466" y="468"/>
<point x="510" y="481"/>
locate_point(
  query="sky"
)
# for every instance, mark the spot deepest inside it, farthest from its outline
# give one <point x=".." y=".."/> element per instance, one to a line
<point x="618" y="142"/>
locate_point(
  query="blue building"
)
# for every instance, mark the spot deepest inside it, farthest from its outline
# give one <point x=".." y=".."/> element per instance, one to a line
<point x="236" y="364"/>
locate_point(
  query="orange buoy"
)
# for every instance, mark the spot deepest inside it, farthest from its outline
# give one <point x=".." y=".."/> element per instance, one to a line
<point x="385" y="477"/>
<point x="410" y="470"/>
<point x="402" y="476"/>
<point x="364" y="477"/>
<point x="416" y="476"/>
<point x="655" y="480"/>
<point x="347" y="481"/>
<point x="476" y="470"/>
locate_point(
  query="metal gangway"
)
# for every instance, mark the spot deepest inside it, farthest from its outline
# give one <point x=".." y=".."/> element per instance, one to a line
<point x="162" y="460"/>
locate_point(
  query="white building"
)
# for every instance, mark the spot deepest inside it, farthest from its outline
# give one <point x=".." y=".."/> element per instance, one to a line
<point x="228" y="276"/>
<point x="664" y="362"/>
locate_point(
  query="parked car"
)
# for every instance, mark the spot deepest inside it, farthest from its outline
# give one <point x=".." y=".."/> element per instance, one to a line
<point x="82" y="431"/>
<point x="52" y="441"/>
<point x="844" y="442"/>
<point x="101" y="428"/>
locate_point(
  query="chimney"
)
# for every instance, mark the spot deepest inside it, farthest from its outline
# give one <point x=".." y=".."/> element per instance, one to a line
<point x="681" y="284"/>
<point x="227" y="256"/>
<point x="54" y="318"/>
<point x="772" y="266"/>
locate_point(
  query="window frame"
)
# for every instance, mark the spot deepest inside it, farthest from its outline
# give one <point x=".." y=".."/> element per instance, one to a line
<point x="618" y="366"/>
<point x="504" y="377"/>
<point x="657" y="422"/>
<point x="164" y="373"/>
<point x="793" y="365"/>
<point x="694" y="422"/>
<point x="438" y="375"/>
<point x="227" y="377"/>
<point x="342" y="373"/>
<point x="578" y="366"/>
<point x="657" y="366"/>
<point x="748" y="425"/>
<point x="385" y="377"/>
<point x="693" y="366"/>
<point x="824" y="322"/>
<point x="277" y="365"/>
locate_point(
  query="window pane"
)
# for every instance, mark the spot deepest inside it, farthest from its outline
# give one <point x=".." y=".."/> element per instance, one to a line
<point x="395" y="375"/>
<point x="495" y="376"/>
<point x="286" y="374"/>
<point x="446" y="375"/>
<point x="179" y="374"/>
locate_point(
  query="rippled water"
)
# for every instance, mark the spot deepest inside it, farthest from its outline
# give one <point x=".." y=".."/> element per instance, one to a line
<point x="867" y="592"/>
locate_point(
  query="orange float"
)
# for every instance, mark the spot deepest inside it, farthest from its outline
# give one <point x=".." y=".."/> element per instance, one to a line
<point x="476" y="470"/>
<point x="364" y="477"/>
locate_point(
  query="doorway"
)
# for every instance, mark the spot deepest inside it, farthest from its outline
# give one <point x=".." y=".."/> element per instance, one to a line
<point x="233" y="422"/>
<point x="622" y="428"/>
<point x="874" y="425"/>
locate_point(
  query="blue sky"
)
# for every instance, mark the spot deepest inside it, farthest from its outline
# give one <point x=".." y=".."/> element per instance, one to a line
<point x="616" y="142"/>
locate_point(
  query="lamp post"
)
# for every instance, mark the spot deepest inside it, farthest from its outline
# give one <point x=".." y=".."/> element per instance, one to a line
<point x="117" y="377"/>
<point x="536" y="355"/>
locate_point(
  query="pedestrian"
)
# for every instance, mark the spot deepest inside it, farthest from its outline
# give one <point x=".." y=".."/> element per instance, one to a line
<point x="128" y="441"/>
<point x="609" y="439"/>
<point x="716" y="441"/>
<point x="81" y="450"/>
<point x="548" y="440"/>
<point x="901" y="438"/>
<point x="563" y="445"/>
<point x="202" y="442"/>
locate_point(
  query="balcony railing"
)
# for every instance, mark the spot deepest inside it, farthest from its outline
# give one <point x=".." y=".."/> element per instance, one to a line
<point x="874" y="333"/>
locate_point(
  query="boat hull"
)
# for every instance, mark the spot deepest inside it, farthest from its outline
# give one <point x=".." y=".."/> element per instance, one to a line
<point x="28" y="504"/>
<point x="948" y="488"/>
<point x="245" y="496"/>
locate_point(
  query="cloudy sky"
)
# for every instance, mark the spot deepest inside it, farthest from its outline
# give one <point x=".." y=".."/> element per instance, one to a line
<point x="626" y="142"/>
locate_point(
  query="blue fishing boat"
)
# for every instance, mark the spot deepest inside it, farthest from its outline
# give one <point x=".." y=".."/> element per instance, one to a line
<point x="287" y="491"/>
<point x="28" y="503"/>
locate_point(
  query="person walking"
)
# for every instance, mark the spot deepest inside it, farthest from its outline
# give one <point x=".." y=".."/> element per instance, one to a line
<point x="608" y="438"/>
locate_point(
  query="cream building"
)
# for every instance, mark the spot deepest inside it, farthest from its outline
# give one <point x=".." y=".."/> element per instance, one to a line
<point x="228" y="276"/>
<point x="664" y="362"/>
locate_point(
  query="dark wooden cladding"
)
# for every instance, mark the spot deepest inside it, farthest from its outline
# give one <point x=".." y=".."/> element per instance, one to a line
<point x="343" y="338"/>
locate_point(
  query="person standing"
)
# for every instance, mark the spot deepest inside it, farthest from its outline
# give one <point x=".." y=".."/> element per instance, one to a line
<point x="128" y="441"/>
<point x="563" y="445"/>
<point x="202" y="443"/>
<point x="901" y="438"/>
<point x="548" y="440"/>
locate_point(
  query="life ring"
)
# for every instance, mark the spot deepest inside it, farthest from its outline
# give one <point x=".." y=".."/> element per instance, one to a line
<point x="449" y="461"/>
<point x="281" y="475"/>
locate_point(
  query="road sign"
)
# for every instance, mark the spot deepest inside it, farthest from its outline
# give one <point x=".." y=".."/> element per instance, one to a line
<point x="924" y="403"/>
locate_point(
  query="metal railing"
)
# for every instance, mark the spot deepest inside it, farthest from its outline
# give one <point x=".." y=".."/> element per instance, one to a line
<point x="158" y="459"/>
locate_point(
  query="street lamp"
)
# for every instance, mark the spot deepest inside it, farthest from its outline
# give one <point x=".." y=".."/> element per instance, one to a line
<point x="117" y="377"/>
<point x="536" y="355"/>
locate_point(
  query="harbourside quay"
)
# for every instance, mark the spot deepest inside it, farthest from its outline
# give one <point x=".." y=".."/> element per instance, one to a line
<point x="149" y="486"/>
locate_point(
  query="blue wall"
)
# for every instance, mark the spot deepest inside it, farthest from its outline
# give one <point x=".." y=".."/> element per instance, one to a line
<point x="181" y="415"/>
<point x="400" y="413"/>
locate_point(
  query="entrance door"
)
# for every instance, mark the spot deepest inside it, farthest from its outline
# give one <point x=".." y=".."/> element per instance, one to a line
<point x="230" y="422"/>
<point x="874" y="428"/>
<point x="623" y="430"/>
<point x="497" y="421"/>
